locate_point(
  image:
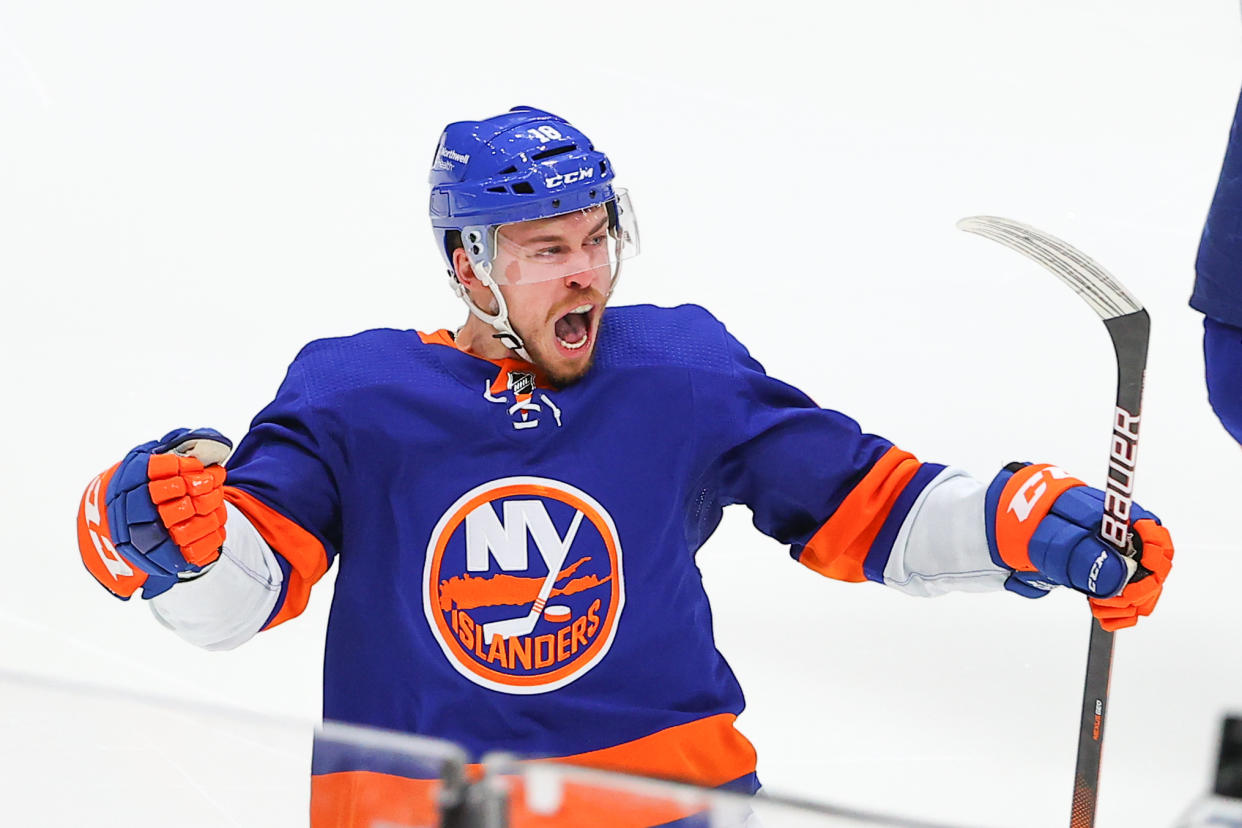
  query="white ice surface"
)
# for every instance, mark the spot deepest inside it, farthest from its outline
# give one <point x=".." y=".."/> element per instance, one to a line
<point x="189" y="193"/>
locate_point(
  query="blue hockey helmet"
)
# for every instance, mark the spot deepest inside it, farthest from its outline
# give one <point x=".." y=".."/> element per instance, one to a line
<point x="523" y="165"/>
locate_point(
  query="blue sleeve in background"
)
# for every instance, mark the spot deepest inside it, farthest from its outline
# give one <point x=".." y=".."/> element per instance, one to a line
<point x="1218" y="287"/>
<point x="1218" y="269"/>
<point x="1222" y="357"/>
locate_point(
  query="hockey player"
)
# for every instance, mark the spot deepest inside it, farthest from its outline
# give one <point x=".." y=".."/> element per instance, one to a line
<point x="1218" y="288"/>
<point x="514" y="508"/>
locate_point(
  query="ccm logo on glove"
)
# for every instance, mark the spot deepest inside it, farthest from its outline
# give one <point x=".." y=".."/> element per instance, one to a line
<point x="97" y="531"/>
<point x="1028" y="494"/>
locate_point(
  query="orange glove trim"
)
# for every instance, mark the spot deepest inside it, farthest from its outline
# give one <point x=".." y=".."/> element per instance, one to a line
<point x="174" y="512"/>
<point x="166" y="489"/>
<point x="1025" y="501"/>
<point x="1139" y="597"/>
<point x="208" y="503"/>
<point x="190" y="501"/>
<point x="95" y="541"/>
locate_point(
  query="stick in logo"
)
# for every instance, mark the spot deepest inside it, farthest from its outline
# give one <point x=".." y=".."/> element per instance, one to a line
<point x="522" y="625"/>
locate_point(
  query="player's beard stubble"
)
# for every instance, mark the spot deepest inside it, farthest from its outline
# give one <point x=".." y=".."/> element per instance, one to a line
<point x="559" y="370"/>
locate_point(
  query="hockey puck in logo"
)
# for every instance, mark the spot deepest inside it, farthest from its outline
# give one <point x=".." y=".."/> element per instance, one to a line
<point x="557" y="614"/>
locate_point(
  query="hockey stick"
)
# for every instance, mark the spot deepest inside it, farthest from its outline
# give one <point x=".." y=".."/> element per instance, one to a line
<point x="1128" y="326"/>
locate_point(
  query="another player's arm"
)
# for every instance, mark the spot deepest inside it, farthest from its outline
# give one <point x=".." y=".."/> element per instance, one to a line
<point x="1222" y="359"/>
<point x="854" y="507"/>
<point x="1218" y="287"/>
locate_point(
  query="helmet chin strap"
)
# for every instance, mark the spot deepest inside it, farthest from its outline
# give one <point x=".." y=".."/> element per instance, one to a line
<point x="499" y="320"/>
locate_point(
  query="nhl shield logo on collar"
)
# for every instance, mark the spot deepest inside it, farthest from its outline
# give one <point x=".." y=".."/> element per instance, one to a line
<point x="522" y="382"/>
<point x="523" y="408"/>
<point x="522" y="584"/>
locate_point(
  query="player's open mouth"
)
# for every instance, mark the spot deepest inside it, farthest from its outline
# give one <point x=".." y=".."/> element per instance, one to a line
<point x="573" y="330"/>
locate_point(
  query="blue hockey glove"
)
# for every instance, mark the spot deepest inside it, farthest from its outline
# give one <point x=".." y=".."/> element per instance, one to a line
<point x="156" y="517"/>
<point x="1044" y="525"/>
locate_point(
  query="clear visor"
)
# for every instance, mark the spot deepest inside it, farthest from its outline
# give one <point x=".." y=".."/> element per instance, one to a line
<point x="588" y="244"/>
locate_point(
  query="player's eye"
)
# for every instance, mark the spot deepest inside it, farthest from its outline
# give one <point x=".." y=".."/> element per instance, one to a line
<point x="597" y="240"/>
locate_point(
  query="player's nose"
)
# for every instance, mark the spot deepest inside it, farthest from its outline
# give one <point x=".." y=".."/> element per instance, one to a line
<point x="585" y="273"/>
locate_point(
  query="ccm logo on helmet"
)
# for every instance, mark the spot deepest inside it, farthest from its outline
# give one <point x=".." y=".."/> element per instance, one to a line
<point x="570" y="177"/>
<point x="518" y="619"/>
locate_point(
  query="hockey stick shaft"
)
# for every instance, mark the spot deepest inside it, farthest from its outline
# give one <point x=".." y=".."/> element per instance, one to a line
<point x="1129" y="334"/>
<point x="1128" y="327"/>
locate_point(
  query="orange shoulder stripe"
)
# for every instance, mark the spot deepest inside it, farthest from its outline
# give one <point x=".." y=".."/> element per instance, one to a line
<point x="305" y="554"/>
<point x="840" y="547"/>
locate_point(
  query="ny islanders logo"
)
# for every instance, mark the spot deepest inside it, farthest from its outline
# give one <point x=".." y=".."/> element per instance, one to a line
<point x="523" y="584"/>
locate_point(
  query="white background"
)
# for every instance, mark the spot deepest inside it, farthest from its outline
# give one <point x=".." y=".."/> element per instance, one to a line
<point x="190" y="192"/>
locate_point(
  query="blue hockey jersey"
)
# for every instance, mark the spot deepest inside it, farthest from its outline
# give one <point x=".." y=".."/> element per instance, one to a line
<point x="517" y="562"/>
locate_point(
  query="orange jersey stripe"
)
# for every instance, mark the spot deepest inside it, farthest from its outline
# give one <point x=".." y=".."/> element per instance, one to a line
<point x="364" y="799"/>
<point x="361" y="799"/>
<point x="305" y="554"/>
<point x="840" y="547"/>
<point x="708" y="752"/>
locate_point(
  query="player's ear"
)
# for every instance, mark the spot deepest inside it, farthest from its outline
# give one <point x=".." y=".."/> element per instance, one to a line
<point x="479" y="293"/>
<point x="461" y="266"/>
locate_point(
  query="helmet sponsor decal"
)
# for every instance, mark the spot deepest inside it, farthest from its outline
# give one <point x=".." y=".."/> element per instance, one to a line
<point x="523" y="585"/>
<point x="445" y="158"/>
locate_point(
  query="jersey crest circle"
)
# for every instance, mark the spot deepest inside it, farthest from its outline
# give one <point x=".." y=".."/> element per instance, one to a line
<point x="523" y="584"/>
